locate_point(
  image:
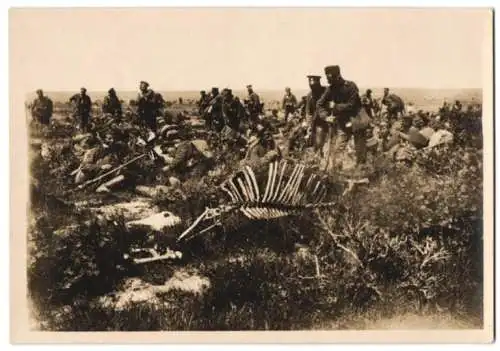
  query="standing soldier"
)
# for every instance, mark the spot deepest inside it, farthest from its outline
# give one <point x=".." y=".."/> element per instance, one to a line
<point x="368" y="103"/>
<point x="232" y="111"/>
<point x="202" y="103"/>
<point x="213" y="112"/>
<point x="112" y="105"/>
<point x="319" y="128"/>
<point x="83" y="108"/>
<point x="253" y="105"/>
<point x="233" y="115"/>
<point x="289" y="103"/>
<point x="148" y="106"/>
<point x="340" y="105"/>
<point x="42" y="108"/>
<point x="395" y="105"/>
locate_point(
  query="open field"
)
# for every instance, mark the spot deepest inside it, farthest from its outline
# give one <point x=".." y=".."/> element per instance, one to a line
<point x="403" y="252"/>
<point x="426" y="99"/>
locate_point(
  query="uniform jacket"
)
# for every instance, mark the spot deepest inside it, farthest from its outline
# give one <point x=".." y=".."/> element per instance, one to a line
<point x="147" y="103"/>
<point x="42" y="107"/>
<point x="83" y="104"/>
<point x="312" y="100"/>
<point x="112" y="104"/>
<point x="346" y="99"/>
<point x="289" y="100"/>
<point x="232" y="112"/>
<point x="253" y="104"/>
<point x="393" y="103"/>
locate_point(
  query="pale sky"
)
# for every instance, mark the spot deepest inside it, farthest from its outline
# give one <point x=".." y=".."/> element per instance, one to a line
<point x="192" y="49"/>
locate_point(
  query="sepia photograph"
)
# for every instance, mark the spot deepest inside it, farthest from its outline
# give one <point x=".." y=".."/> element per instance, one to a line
<point x="271" y="170"/>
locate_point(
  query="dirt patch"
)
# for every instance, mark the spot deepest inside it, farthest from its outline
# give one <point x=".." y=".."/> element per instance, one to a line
<point x="138" y="291"/>
<point x="132" y="210"/>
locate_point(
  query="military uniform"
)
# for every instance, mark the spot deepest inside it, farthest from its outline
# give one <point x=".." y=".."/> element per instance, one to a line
<point x="202" y="103"/>
<point x="83" y="108"/>
<point x="112" y="105"/>
<point x="289" y="104"/>
<point x="344" y="96"/>
<point x="232" y="111"/>
<point x="191" y="159"/>
<point x="148" y="107"/>
<point x="253" y="105"/>
<point x="368" y="103"/>
<point x="214" y="116"/>
<point x="42" y="108"/>
<point x="395" y="106"/>
<point x="319" y="128"/>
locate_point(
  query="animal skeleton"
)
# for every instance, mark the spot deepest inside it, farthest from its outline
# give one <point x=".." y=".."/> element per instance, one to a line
<point x="289" y="190"/>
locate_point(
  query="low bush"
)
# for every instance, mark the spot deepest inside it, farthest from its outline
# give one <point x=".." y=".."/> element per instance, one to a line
<point x="410" y="242"/>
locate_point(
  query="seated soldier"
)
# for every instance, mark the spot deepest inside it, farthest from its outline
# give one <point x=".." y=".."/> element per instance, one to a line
<point x="260" y="143"/>
<point x="391" y="135"/>
<point x="96" y="158"/>
<point x="420" y="133"/>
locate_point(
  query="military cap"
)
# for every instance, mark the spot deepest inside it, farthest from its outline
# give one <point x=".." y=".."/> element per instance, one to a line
<point x="249" y="86"/>
<point x="332" y="70"/>
<point x="214" y="89"/>
<point x="83" y="89"/>
<point x="311" y="76"/>
<point x="203" y="92"/>
<point x="39" y="91"/>
<point x="144" y="82"/>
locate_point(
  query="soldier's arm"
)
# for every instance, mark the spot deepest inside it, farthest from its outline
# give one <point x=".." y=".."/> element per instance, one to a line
<point x="32" y="106"/>
<point x="322" y="105"/>
<point x="309" y="105"/>
<point x="50" y="106"/>
<point x="351" y="103"/>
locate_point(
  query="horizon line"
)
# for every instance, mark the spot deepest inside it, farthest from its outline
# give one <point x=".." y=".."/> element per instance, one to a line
<point x="255" y="89"/>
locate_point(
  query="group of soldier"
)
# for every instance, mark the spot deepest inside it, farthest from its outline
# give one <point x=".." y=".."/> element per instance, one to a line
<point x="328" y="114"/>
<point x="327" y="118"/>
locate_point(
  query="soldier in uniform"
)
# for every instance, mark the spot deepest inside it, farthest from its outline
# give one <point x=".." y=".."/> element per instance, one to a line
<point x="112" y="105"/>
<point x="395" y="105"/>
<point x="232" y="110"/>
<point x="319" y="128"/>
<point x="148" y="106"/>
<point x="42" y="108"/>
<point x="253" y="105"/>
<point x="213" y="112"/>
<point x="289" y="103"/>
<point x="83" y="108"/>
<point x="202" y="103"/>
<point x="339" y="105"/>
<point x="190" y="159"/>
<point x="457" y="107"/>
<point x="368" y="103"/>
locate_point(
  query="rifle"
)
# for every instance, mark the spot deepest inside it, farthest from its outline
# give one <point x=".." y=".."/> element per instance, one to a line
<point x="102" y="176"/>
<point x="331" y="127"/>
